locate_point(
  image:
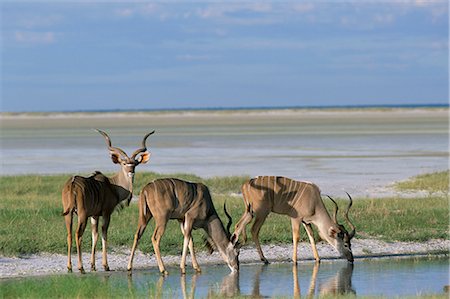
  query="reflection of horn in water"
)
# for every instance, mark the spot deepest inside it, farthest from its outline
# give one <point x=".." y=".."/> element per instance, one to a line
<point x="193" y="285"/>
<point x="230" y="285"/>
<point x="340" y="284"/>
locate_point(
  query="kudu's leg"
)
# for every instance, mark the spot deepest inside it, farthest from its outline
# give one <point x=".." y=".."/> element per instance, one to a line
<point x="105" y="226"/>
<point x="68" y="219"/>
<point x="78" y="235"/>
<point x="295" y="238"/>
<point x="160" y="227"/>
<point x="259" y="221"/>
<point x="143" y="221"/>
<point x="187" y="239"/>
<point x="191" y="251"/>
<point x="94" y="227"/>
<point x="310" y="233"/>
<point x="241" y="225"/>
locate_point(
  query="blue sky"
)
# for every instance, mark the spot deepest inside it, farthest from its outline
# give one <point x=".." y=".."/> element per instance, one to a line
<point x="66" y="56"/>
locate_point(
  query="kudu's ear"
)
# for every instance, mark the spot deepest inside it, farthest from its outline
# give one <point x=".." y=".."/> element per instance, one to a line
<point x="143" y="158"/>
<point x="115" y="157"/>
<point x="332" y="232"/>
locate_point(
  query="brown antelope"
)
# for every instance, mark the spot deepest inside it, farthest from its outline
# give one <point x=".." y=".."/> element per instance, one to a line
<point x="192" y="206"/>
<point x="302" y="202"/>
<point x="98" y="195"/>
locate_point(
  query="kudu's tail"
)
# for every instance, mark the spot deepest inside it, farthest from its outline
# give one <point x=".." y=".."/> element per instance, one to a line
<point x="69" y="198"/>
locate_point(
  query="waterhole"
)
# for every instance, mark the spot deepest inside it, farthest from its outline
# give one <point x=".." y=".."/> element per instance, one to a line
<point x="388" y="277"/>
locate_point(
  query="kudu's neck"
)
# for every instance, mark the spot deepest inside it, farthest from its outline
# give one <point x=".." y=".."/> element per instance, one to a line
<point x="123" y="185"/>
<point x="324" y="222"/>
<point x="214" y="228"/>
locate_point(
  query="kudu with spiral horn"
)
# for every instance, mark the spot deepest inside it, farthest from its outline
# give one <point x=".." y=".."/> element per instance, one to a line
<point x="301" y="201"/>
<point x="190" y="204"/>
<point x="97" y="196"/>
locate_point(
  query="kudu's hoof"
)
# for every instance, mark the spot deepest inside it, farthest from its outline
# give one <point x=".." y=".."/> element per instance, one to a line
<point x="93" y="268"/>
<point x="265" y="261"/>
<point x="198" y="270"/>
<point x="106" y="268"/>
<point x="82" y="271"/>
<point x="69" y="270"/>
<point x="164" y="273"/>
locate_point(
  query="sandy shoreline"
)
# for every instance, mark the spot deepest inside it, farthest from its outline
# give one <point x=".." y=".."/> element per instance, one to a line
<point x="47" y="264"/>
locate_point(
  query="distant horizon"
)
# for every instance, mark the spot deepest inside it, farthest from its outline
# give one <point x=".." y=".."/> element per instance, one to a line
<point x="237" y="108"/>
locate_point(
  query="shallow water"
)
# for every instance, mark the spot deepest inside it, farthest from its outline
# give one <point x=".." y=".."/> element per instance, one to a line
<point x="380" y="277"/>
<point x="358" y="153"/>
<point x="389" y="277"/>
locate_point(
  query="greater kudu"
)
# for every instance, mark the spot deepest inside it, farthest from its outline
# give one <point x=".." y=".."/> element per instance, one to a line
<point x="191" y="204"/>
<point x="98" y="195"/>
<point x="301" y="201"/>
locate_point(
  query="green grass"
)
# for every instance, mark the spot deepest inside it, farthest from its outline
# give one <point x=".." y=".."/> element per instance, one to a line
<point x="30" y="220"/>
<point x="430" y="182"/>
<point x="77" y="286"/>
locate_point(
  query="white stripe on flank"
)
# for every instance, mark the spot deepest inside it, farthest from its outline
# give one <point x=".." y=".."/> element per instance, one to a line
<point x="249" y="189"/>
<point x="273" y="189"/>
<point x="290" y="188"/>
<point x="261" y="183"/>
<point x="304" y="188"/>
<point x="286" y="189"/>
<point x="283" y="189"/>
<point x="297" y="196"/>
<point x="155" y="191"/>
<point x="144" y="203"/>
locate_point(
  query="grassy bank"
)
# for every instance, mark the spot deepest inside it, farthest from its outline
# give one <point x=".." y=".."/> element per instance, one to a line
<point x="436" y="182"/>
<point x="30" y="220"/>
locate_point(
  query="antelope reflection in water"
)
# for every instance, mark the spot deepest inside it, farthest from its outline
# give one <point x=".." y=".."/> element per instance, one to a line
<point x="230" y="286"/>
<point x="341" y="283"/>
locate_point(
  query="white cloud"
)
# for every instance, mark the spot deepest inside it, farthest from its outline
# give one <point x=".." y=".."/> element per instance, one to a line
<point x="32" y="37"/>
